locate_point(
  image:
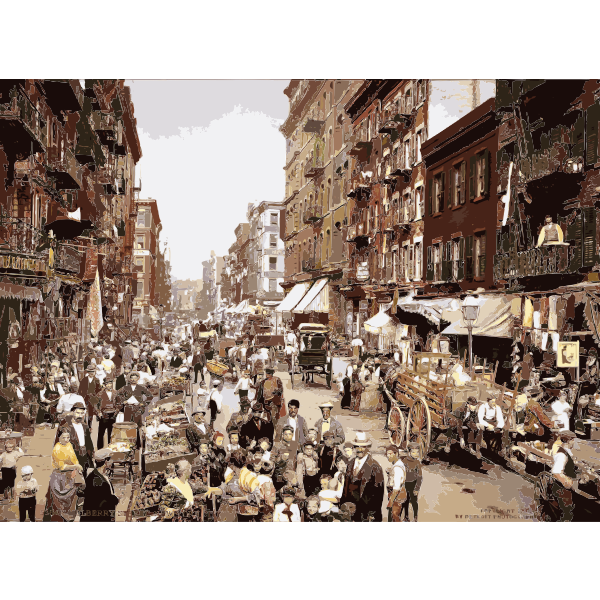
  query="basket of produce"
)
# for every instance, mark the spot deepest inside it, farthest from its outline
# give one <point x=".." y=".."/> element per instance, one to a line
<point x="150" y="495"/>
<point x="121" y="451"/>
<point x="216" y="368"/>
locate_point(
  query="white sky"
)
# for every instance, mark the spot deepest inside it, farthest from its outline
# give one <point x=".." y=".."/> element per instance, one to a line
<point x="208" y="149"/>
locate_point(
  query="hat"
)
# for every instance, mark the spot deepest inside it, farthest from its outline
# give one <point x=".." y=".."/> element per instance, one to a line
<point x="326" y="405"/>
<point x="102" y="454"/>
<point x="287" y="428"/>
<point x="199" y="411"/>
<point x="216" y="383"/>
<point x="309" y="443"/>
<point x="257" y="407"/>
<point x="565" y="436"/>
<point x="325" y="506"/>
<point x="360" y="439"/>
<point x="26" y="470"/>
<point x="128" y="341"/>
<point x="134" y="374"/>
<point x="91" y="368"/>
<point x="78" y="405"/>
<point x="413" y="445"/>
<point x="287" y="490"/>
<point x="269" y="370"/>
<point x="294" y="403"/>
<point x="328" y="434"/>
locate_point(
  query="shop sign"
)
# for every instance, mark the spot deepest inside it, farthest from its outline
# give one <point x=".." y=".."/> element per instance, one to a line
<point x="22" y="263"/>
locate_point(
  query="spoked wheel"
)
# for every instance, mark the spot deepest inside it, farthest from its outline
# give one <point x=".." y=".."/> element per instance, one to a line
<point x="545" y="503"/>
<point x="396" y="426"/>
<point x="419" y="426"/>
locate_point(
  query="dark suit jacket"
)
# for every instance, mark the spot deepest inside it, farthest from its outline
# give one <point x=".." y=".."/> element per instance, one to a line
<point x="99" y="500"/>
<point x="372" y="486"/>
<point x="121" y="382"/>
<point x="91" y="393"/>
<point x="251" y="432"/>
<point x="301" y="429"/>
<point x="140" y="392"/>
<point x="84" y="453"/>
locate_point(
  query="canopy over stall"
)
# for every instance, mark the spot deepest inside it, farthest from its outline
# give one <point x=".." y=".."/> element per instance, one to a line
<point x="293" y="298"/>
<point x="306" y="305"/>
<point x="431" y="309"/>
<point x="495" y="318"/>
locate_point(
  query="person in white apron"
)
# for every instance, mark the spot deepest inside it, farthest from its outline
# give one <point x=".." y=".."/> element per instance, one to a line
<point x="562" y="409"/>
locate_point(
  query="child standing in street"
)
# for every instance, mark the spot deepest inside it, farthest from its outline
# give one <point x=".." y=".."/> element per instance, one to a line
<point x="413" y="481"/>
<point x="27" y="488"/>
<point x="8" y="462"/>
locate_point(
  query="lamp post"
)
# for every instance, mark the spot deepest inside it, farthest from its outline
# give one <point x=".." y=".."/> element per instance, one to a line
<point x="161" y="310"/>
<point x="470" y="311"/>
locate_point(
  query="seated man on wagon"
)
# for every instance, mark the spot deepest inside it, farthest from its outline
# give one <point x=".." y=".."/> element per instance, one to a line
<point x="491" y="422"/>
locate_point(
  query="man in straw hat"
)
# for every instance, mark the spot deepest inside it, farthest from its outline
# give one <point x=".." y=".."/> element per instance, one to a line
<point x="328" y="423"/>
<point x="364" y="482"/>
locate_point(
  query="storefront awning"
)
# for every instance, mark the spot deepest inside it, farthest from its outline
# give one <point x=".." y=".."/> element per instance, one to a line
<point x="293" y="298"/>
<point x="11" y="290"/>
<point x="305" y="304"/>
<point x="495" y="318"/>
<point x="379" y="322"/>
<point x="431" y="309"/>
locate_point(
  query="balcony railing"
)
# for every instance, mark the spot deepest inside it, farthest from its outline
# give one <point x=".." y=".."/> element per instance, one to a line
<point x="535" y="261"/>
<point x="308" y="265"/>
<point x="22" y="238"/>
<point x="31" y="133"/>
<point x="313" y="213"/>
<point x="314" y="166"/>
<point x="64" y="170"/>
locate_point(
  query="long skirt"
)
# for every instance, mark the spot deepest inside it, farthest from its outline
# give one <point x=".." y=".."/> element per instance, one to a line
<point x="61" y="504"/>
<point x="346" y="398"/>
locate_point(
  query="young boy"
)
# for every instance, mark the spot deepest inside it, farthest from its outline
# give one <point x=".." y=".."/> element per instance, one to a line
<point x="8" y="461"/>
<point x="414" y="479"/>
<point x="234" y="441"/>
<point x="26" y="491"/>
<point x="287" y="511"/>
<point x="307" y="469"/>
<point x="311" y="511"/>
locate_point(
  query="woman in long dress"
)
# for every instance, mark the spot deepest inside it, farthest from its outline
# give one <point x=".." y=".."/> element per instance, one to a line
<point x="347" y="395"/>
<point x="61" y="501"/>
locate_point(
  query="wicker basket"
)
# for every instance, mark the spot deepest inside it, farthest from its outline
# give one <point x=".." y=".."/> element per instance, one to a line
<point x="216" y="368"/>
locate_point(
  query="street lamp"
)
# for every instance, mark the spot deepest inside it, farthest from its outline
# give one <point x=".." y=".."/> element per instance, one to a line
<point x="470" y="311"/>
<point x="161" y="310"/>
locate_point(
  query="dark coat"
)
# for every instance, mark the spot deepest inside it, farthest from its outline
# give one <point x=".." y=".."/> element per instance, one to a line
<point x="87" y="388"/>
<point x="371" y="492"/>
<point x="301" y="430"/>
<point x="121" y="381"/>
<point x="85" y="453"/>
<point x="141" y="394"/>
<point x="250" y="432"/>
<point x="99" y="500"/>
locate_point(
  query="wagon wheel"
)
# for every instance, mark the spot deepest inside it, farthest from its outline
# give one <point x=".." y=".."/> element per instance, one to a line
<point x="396" y="426"/>
<point x="545" y="508"/>
<point x="419" y="426"/>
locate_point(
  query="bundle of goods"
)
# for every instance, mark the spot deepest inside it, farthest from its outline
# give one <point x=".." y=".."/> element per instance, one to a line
<point x="175" y="381"/>
<point x="216" y="368"/>
<point x="149" y="497"/>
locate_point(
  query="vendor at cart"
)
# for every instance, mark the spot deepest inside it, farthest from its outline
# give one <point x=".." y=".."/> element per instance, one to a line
<point x="564" y="473"/>
<point x="178" y="494"/>
<point x="491" y="422"/>
<point x="198" y="430"/>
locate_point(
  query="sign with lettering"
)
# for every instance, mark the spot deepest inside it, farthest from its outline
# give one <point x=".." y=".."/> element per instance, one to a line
<point x="91" y="263"/>
<point x="23" y="263"/>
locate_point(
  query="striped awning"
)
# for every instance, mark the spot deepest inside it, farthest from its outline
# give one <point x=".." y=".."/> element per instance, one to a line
<point x="316" y="299"/>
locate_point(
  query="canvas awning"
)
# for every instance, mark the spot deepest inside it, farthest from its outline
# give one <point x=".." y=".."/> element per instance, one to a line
<point x="293" y="298"/>
<point x="495" y="318"/>
<point x="240" y="307"/>
<point x="379" y="323"/>
<point x="304" y="305"/>
<point x="431" y="309"/>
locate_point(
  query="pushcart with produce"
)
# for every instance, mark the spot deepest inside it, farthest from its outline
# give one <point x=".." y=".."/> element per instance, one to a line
<point x="314" y="356"/>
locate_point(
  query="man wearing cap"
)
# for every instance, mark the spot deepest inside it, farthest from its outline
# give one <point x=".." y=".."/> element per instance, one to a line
<point x="89" y="390"/>
<point x="564" y="474"/>
<point x="364" y="482"/>
<point x="414" y="479"/>
<point x="80" y="433"/>
<point x="239" y="418"/>
<point x="258" y="427"/>
<point x="270" y="393"/>
<point x="99" y="499"/>
<point x="215" y="401"/>
<point x="395" y="485"/>
<point x="198" y="431"/>
<point x="328" y="423"/>
<point x="295" y="421"/>
<point x="284" y="455"/>
<point x="140" y="392"/>
<point x="107" y="413"/>
<point x="243" y="385"/>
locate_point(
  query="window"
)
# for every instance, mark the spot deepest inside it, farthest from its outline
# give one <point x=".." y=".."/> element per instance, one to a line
<point x="437" y="262"/>
<point x="139" y="242"/>
<point x="419" y="203"/>
<point x="405" y="263"/>
<point x="139" y="292"/>
<point x="274" y="220"/>
<point x="419" y="140"/>
<point x="436" y="194"/>
<point x="418" y="260"/>
<point x="273" y="240"/>
<point x="457" y="253"/>
<point x="458" y="184"/>
<point x="407" y="156"/>
<point x="141" y="218"/>
<point x="139" y="262"/>
<point x="272" y="263"/>
<point x="408" y="101"/>
<point x="479" y="175"/>
<point x="272" y="285"/>
<point x="479" y="254"/>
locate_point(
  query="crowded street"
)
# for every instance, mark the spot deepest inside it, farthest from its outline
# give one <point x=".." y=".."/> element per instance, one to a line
<point x="411" y="335"/>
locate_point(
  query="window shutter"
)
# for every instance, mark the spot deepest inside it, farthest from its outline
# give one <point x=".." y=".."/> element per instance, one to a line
<point x="411" y="261"/>
<point x="450" y="188"/>
<point x="575" y="234"/>
<point x="442" y="190"/>
<point x="148" y="218"/>
<point x="469" y="257"/>
<point x="430" y="196"/>
<point x="589" y="236"/>
<point x="461" y="259"/>
<point x="463" y="175"/>
<point x="472" y="172"/>
<point x="445" y="261"/>
<point x="429" y="276"/>
<point x="482" y="255"/>
<point x="591" y="149"/>
<point x="578" y="133"/>
<point x="486" y="171"/>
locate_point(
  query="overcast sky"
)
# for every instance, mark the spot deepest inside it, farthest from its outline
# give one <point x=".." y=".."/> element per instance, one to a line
<point x="208" y="149"/>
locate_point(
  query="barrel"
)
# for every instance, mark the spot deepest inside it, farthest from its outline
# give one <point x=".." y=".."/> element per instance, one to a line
<point x="124" y="432"/>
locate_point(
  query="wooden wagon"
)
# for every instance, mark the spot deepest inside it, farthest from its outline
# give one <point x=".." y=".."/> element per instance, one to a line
<point x="425" y="396"/>
<point x="313" y="356"/>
